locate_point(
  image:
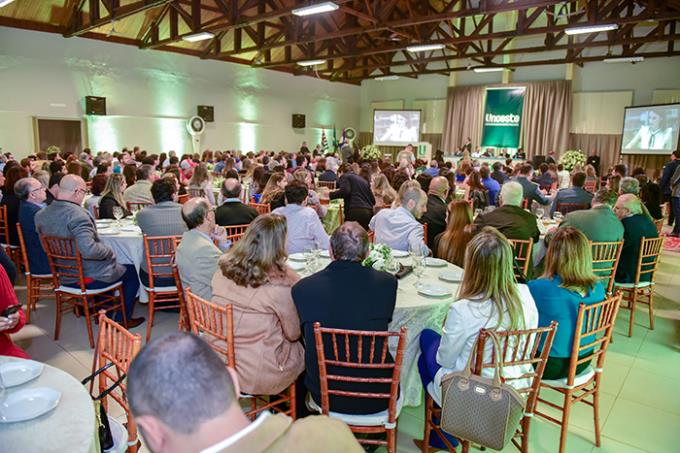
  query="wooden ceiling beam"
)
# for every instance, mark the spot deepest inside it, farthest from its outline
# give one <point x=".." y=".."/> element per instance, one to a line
<point x="119" y="13"/>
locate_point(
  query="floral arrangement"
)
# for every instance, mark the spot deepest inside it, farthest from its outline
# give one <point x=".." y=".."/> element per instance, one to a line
<point x="53" y="149"/>
<point x="572" y="158"/>
<point x="377" y="252"/>
<point x="371" y="152"/>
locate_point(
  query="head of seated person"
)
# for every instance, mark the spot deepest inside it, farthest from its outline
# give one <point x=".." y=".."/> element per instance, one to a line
<point x="570" y="258"/>
<point x="164" y="190"/>
<point x="30" y="190"/>
<point x="231" y="188"/>
<point x="512" y="194"/>
<point x="413" y="198"/>
<point x="145" y="173"/>
<point x="604" y="197"/>
<point x="629" y="185"/>
<point x="349" y="242"/>
<point x="72" y="188"/>
<point x="627" y="205"/>
<point x="197" y="214"/>
<point x="578" y="179"/>
<point x="296" y="193"/>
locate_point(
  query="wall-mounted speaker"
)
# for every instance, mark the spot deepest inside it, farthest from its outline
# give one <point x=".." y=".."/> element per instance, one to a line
<point x="207" y="112"/>
<point x="95" y="105"/>
<point x="298" y="121"/>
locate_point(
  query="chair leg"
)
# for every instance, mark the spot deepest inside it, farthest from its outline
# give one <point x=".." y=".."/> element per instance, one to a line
<point x="88" y="321"/>
<point x="651" y="309"/>
<point x="30" y="298"/>
<point x="465" y="446"/>
<point x="57" y="319"/>
<point x="596" y="413"/>
<point x="149" y="323"/>
<point x="631" y="320"/>
<point x="565" y="421"/>
<point x="525" y="424"/>
<point x="428" y="420"/>
<point x="392" y="440"/>
<point x="293" y="407"/>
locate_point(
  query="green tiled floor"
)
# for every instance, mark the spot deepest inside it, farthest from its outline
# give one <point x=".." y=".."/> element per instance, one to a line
<point x="640" y="400"/>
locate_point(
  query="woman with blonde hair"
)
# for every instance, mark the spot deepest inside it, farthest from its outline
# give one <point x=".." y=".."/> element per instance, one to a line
<point x="567" y="282"/>
<point x="591" y="177"/>
<point x="200" y="181"/>
<point x="273" y="193"/>
<point x="112" y="196"/>
<point x="383" y="192"/>
<point x="450" y="244"/>
<point x="254" y="279"/>
<point x="305" y="176"/>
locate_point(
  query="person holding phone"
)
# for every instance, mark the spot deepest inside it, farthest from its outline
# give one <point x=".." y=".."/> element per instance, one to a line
<point x="12" y="318"/>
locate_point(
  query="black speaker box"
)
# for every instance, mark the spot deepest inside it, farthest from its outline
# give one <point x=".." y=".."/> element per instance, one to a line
<point x="207" y="112"/>
<point x="538" y="160"/>
<point x="95" y="105"/>
<point x="298" y="121"/>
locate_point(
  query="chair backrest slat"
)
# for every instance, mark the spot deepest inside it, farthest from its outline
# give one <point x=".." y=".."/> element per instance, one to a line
<point x="22" y="245"/>
<point x="236" y="232"/>
<point x="261" y="208"/>
<point x="159" y="253"/>
<point x="522" y="249"/>
<point x="606" y="257"/>
<point x="650" y="252"/>
<point x="65" y="260"/>
<point x="214" y="320"/>
<point x="4" y="226"/>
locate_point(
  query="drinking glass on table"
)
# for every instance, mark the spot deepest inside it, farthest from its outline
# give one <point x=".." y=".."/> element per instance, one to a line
<point x="557" y="216"/>
<point x="540" y="212"/>
<point x="117" y="214"/>
<point x="392" y="266"/>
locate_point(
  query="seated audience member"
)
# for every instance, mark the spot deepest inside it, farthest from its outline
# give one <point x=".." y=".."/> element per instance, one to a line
<point x="112" y="197"/>
<point x="614" y="183"/>
<point x="11" y="201"/>
<point x="493" y="187"/>
<point x="12" y="323"/>
<point x="476" y="191"/>
<point x="488" y="298"/>
<point x="313" y="200"/>
<point x="197" y="255"/>
<point x="544" y="179"/>
<point x="435" y="216"/>
<point x="65" y="217"/>
<point x="591" y="176"/>
<point x="140" y="191"/>
<point x="650" y="195"/>
<point x="346" y="295"/>
<point x="629" y="185"/>
<point x="498" y="175"/>
<point x="233" y="211"/>
<point x="620" y="170"/>
<point x="636" y="225"/>
<point x="357" y="195"/>
<point x="305" y="231"/>
<point x="328" y="170"/>
<point x="91" y="204"/>
<point x="450" y="245"/>
<point x="532" y="191"/>
<point x="599" y="223"/>
<point x="32" y="196"/>
<point x="433" y="169"/>
<point x="510" y="219"/>
<point x="424" y="180"/>
<point x="575" y="194"/>
<point x="273" y="193"/>
<point x="253" y="277"/>
<point x="185" y="400"/>
<point x="200" y="181"/>
<point x="567" y="282"/>
<point x="399" y="228"/>
<point x="383" y="192"/>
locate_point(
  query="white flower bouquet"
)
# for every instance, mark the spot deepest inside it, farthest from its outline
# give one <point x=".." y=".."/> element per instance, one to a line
<point x="378" y="252"/>
<point x="571" y="158"/>
<point x="371" y="152"/>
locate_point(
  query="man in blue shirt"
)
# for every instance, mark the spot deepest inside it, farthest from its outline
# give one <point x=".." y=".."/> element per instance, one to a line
<point x="491" y="185"/>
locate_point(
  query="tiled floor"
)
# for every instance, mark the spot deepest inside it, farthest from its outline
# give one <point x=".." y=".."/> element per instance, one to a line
<point x="641" y="389"/>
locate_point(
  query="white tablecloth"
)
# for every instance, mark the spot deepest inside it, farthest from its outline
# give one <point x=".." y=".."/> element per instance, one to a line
<point x="129" y="249"/>
<point x="69" y="427"/>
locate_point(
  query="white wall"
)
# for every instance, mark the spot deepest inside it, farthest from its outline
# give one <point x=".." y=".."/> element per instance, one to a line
<point x="150" y="94"/>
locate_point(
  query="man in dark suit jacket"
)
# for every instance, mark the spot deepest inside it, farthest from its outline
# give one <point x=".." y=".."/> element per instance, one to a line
<point x="435" y="217"/>
<point x="233" y="211"/>
<point x="32" y="195"/>
<point x="359" y="199"/>
<point x="346" y="295"/>
<point x="498" y="174"/>
<point x="575" y="194"/>
<point x="510" y="219"/>
<point x="532" y="191"/>
<point x="636" y="225"/>
<point x="666" y="189"/>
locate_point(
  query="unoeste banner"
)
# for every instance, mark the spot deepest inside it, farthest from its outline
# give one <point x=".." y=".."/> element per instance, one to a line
<point x="502" y="117"/>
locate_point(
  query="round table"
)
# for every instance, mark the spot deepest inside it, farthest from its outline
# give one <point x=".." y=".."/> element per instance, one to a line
<point x="127" y="246"/>
<point x="69" y="427"/>
<point x="416" y="312"/>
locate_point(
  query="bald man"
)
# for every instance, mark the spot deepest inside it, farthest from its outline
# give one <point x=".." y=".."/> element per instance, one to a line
<point x="636" y="225"/>
<point x="233" y="211"/>
<point x="435" y="217"/>
<point x="66" y="217"/>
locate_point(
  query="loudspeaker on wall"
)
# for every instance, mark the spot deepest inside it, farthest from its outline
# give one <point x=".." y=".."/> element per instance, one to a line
<point x="207" y="112"/>
<point x="95" y="105"/>
<point x="298" y="120"/>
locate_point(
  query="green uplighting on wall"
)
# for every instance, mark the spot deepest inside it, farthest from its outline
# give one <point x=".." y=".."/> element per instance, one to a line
<point x="173" y="135"/>
<point x="102" y="135"/>
<point x="246" y="137"/>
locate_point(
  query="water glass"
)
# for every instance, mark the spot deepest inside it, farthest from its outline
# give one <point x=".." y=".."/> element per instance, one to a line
<point x="118" y="214"/>
<point x="392" y="266"/>
<point x="418" y="269"/>
<point x="540" y="212"/>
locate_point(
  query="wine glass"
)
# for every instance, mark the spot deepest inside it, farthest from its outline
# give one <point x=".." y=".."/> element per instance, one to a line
<point x="540" y="212"/>
<point x="418" y="269"/>
<point x="557" y="216"/>
<point x="392" y="266"/>
<point x="117" y="214"/>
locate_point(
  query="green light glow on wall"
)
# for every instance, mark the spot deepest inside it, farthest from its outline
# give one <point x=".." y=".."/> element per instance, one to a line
<point x="173" y="135"/>
<point x="246" y="137"/>
<point x="102" y="135"/>
<point x="247" y="108"/>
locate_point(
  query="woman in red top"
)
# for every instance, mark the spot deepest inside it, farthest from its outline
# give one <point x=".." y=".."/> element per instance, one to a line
<point x="14" y="322"/>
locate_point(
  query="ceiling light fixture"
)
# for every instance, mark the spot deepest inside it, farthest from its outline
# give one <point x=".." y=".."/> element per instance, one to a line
<point x="590" y="29"/>
<point x="624" y="59"/>
<point x="424" y="47"/>
<point x="310" y="63"/>
<point x="319" y="8"/>
<point x="387" y="77"/>
<point x="488" y="69"/>
<point x="202" y="36"/>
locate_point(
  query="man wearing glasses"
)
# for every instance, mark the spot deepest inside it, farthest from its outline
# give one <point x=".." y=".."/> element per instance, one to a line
<point x="32" y="196"/>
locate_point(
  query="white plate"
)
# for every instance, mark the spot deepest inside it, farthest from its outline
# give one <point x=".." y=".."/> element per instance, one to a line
<point x="103" y="222"/>
<point x="297" y="257"/>
<point x="19" y="372"/>
<point x="435" y="262"/>
<point x="399" y="253"/>
<point x="130" y="229"/>
<point x="325" y="254"/>
<point x="434" y="290"/>
<point x="452" y="276"/>
<point x="296" y="265"/>
<point x="27" y="404"/>
<point x="108" y="231"/>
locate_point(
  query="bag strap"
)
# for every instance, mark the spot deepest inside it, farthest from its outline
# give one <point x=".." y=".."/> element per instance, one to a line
<point x="111" y="388"/>
<point x="499" y="362"/>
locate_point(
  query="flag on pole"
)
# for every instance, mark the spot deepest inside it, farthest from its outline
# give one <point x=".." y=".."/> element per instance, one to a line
<point x="335" y="139"/>
<point x="324" y="142"/>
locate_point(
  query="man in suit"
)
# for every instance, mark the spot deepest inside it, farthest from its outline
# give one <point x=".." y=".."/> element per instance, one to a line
<point x="184" y="399"/>
<point x="233" y="211"/>
<point x="327" y="170"/>
<point x="531" y="190"/>
<point x="575" y="194"/>
<point x="636" y="225"/>
<point x="498" y="174"/>
<point x="435" y="216"/>
<point x="140" y="191"/>
<point x="666" y="189"/>
<point x="66" y="217"/>
<point x="32" y="195"/>
<point x="345" y="295"/>
<point x="599" y="224"/>
<point x="510" y="219"/>
<point x="196" y="256"/>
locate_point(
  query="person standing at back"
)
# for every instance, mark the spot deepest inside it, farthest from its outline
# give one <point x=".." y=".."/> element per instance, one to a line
<point x="357" y="195"/>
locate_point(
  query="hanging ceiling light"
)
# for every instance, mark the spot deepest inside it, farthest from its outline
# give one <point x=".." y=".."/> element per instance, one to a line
<point x="319" y="8"/>
<point x="590" y="29"/>
<point x="202" y="36"/>
<point x="424" y="47"/>
<point x="310" y="63"/>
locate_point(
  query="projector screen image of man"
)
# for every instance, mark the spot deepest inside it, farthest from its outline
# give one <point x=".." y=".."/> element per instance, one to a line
<point x="399" y="130"/>
<point x="652" y="135"/>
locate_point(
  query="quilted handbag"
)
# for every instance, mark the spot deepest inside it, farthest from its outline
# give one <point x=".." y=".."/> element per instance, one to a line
<point x="479" y="409"/>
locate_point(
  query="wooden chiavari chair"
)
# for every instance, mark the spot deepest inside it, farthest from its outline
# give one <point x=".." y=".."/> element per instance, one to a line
<point x="590" y="186"/>
<point x="522" y="250"/>
<point x="566" y="208"/>
<point x="181" y="199"/>
<point x="519" y="348"/>
<point x="330" y="185"/>
<point x="642" y="289"/>
<point x="371" y="354"/>
<point x="195" y="192"/>
<point x="36" y="285"/>
<point x="605" y="262"/>
<point x="261" y="208"/>
<point x="592" y="334"/>
<point x="236" y="232"/>
<point x="67" y="266"/>
<point x="134" y="207"/>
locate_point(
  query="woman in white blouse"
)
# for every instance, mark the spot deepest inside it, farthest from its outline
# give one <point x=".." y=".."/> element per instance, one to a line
<point x="489" y="297"/>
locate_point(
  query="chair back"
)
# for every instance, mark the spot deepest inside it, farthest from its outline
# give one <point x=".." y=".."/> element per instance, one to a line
<point x="22" y="246"/>
<point x="261" y="208"/>
<point x="353" y="349"/>
<point x="525" y="204"/>
<point x="605" y="261"/>
<point x="522" y="249"/>
<point x="566" y="208"/>
<point x="330" y="185"/>
<point x="159" y="252"/>
<point x="65" y="261"/>
<point x="648" y="260"/>
<point x="236" y="232"/>
<point x="425" y="234"/>
<point x="195" y="192"/>
<point x="371" y="236"/>
<point x="95" y="208"/>
<point x="133" y="207"/>
<point x="181" y="199"/>
<point x="184" y="323"/>
<point x="659" y="225"/>
<point x="593" y="331"/>
<point x="214" y="320"/>
<point x="4" y="226"/>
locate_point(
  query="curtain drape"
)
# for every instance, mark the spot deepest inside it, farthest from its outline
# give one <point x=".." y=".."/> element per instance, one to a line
<point x="464" y="107"/>
<point x="546" y="116"/>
